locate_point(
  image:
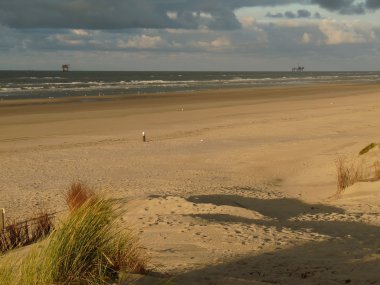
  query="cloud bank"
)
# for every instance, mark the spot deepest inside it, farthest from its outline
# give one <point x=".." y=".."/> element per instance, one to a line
<point x="156" y="14"/>
<point x="121" y="14"/>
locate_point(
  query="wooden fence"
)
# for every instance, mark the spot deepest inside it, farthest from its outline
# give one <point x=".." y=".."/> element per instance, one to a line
<point x="17" y="234"/>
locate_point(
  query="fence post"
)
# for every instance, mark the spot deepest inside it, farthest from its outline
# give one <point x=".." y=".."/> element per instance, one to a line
<point x="2" y="219"/>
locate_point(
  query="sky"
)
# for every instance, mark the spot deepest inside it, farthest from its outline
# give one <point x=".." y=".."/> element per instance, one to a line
<point x="246" y="35"/>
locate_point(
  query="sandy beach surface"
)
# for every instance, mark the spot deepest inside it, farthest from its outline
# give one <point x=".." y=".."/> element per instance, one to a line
<point x="231" y="186"/>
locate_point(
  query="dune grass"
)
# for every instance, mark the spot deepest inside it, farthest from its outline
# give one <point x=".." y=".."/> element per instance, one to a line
<point x="376" y="167"/>
<point x="348" y="173"/>
<point x="6" y="273"/>
<point x="77" y="194"/>
<point x="351" y="171"/>
<point x="89" y="247"/>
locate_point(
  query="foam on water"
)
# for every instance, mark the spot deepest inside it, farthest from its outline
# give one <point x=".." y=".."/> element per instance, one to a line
<point x="44" y="84"/>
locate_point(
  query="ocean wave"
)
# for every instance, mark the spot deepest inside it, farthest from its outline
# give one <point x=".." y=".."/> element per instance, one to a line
<point x="238" y="79"/>
<point x="44" y="84"/>
<point x="33" y="88"/>
<point x="52" y="77"/>
<point x="6" y="89"/>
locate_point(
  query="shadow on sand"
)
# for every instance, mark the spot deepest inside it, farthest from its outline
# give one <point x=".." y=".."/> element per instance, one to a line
<point x="351" y="254"/>
<point x="280" y="209"/>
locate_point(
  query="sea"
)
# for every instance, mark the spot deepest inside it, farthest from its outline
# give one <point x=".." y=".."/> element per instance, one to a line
<point x="58" y="84"/>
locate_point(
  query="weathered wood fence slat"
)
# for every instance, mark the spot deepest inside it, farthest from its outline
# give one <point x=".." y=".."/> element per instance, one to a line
<point x="18" y="234"/>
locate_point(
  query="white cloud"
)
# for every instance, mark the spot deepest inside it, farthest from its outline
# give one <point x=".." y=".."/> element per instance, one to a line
<point x="247" y="22"/>
<point x="172" y="15"/>
<point x="80" y="32"/>
<point x="65" y="39"/>
<point x="217" y="44"/>
<point x="296" y="23"/>
<point x="188" y="31"/>
<point x="306" y="38"/>
<point x="141" y="42"/>
<point x="337" y="33"/>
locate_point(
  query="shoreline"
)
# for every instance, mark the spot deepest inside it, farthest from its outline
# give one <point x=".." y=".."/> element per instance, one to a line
<point x="254" y="93"/>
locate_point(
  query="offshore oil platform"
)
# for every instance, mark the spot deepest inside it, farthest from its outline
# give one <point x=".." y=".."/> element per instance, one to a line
<point x="65" y="67"/>
<point x="298" y="69"/>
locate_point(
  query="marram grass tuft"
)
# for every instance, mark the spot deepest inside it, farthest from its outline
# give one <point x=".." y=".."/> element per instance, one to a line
<point x="89" y="247"/>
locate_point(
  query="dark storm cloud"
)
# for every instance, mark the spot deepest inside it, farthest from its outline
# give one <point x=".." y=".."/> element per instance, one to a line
<point x="119" y="14"/>
<point x="157" y="14"/>
<point x="303" y="13"/>
<point x="373" y="4"/>
<point x="348" y="7"/>
<point x="99" y="14"/>
<point x="275" y="15"/>
<point x="291" y="15"/>
<point x="333" y="5"/>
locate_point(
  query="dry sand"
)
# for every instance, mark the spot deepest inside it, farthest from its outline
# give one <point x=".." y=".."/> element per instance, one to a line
<point x="232" y="186"/>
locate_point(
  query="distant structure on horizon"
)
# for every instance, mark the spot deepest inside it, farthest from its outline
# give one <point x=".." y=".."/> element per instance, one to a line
<point x="65" y="67"/>
<point x="298" y="69"/>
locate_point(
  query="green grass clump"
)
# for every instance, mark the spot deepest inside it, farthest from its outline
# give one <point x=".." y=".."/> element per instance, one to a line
<point x="90" y="247"/>
<point x="6" y="274"/>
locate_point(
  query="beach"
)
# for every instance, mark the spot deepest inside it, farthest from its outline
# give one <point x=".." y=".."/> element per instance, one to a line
<point x="231" y="186"/>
